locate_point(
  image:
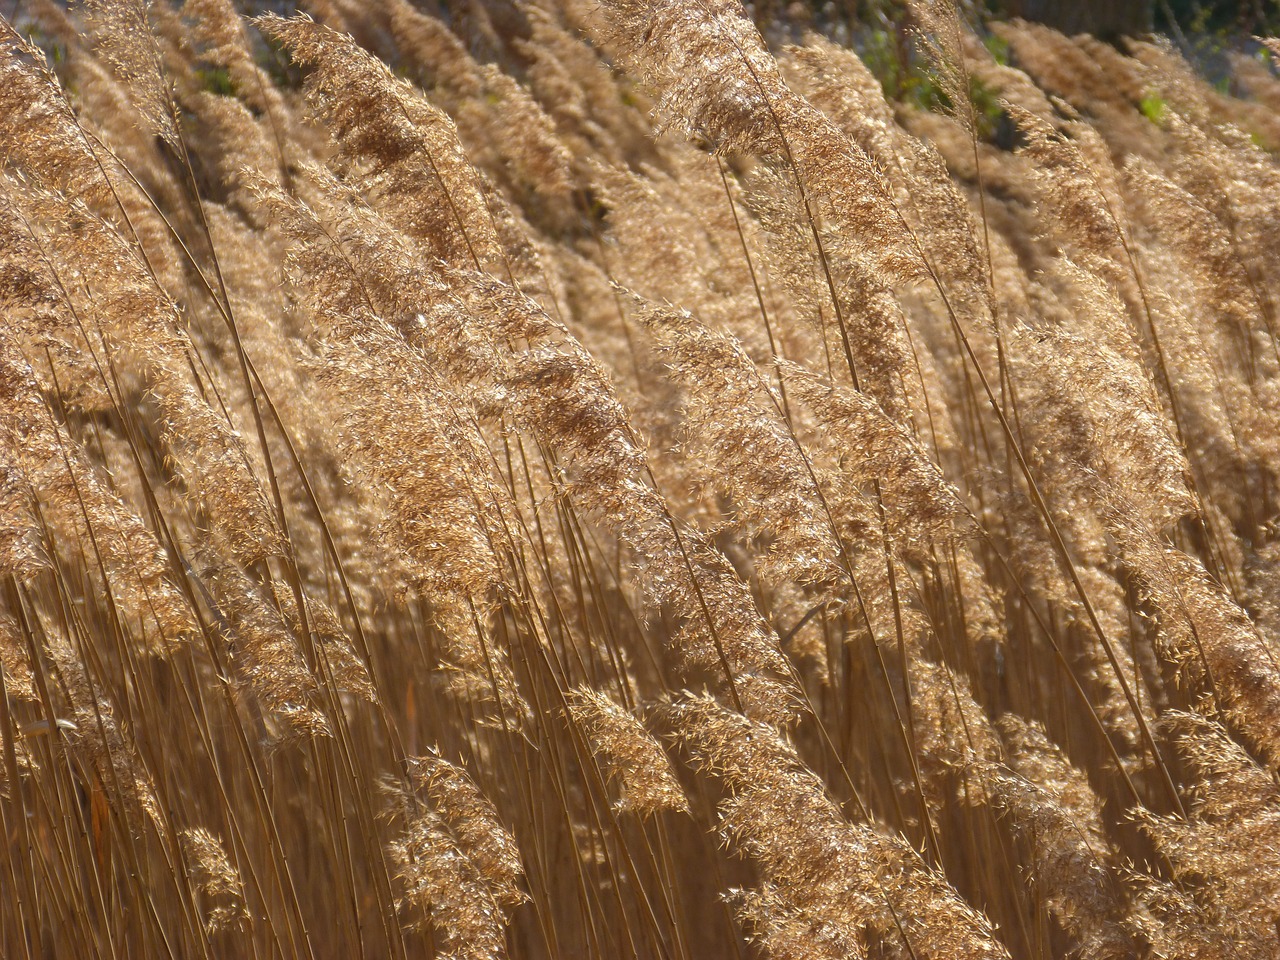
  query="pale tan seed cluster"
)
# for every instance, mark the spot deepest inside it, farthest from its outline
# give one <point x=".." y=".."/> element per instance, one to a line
<point x="555" y="479"/>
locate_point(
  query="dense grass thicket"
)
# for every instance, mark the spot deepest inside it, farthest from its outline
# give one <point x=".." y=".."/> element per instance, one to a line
<point x="581" y="478"/>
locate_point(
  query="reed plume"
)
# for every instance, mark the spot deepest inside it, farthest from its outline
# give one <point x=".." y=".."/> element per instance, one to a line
<point x="657" y="479"/>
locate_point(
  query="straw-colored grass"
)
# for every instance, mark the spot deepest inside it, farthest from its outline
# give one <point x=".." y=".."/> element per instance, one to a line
<point x="581" y="478"/>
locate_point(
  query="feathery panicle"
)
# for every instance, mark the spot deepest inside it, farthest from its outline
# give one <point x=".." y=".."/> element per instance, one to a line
<point x="1074" y="187"/>
<point x="1063" y="67"/>
<point x="266" y="653"/>
<point x="20" y="553"/>
<point x="223" y="40"/>
<point x="941" y="34"/>
<point x="630" y="755"/>
<point x="862" y="325"/>
<point x="17" y="684"/>
<point x="443" y="513"/>
<point x="1214" y="645"/>
<point x="435" y="50"/>
<point x="88" y="523"/>
<point x="217" y="879"/>
<point x="337" y="659"/>
<point x="921" y="507"/>
<point x="784" y="931"/>
<point x="124" y="39"/>
<point x="951" y="728"/>
<point x="734" y="422"/>
<point x="716" y="78"/>
<point x="865" y="886"/>
<point x="456" y="863"/>
<point x="474" y="823"/>
<point x="502" y="126"/>
<point x="97" y="738"/>
<point x="428" y="464"/>
<point x="117" y="308"/>
<point x="15" y="661"/>
<point x="564" y="397"/>
<point x="1098" y="420"/>
<point x="1224" y="855"/>
<point x="1076" y="870"/>
<point x="42" y="135"/>
<point x="404" y="150"/>
<point x="1207" y="255"/>
<point x="718" y="81"/>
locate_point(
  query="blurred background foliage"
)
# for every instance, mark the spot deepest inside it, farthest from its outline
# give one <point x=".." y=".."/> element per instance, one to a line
<point x="1218" y="21"/>
<point x="1205" y="32"/>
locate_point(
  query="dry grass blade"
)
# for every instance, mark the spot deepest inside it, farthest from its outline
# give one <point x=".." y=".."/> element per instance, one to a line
<point x="439" y="517"/>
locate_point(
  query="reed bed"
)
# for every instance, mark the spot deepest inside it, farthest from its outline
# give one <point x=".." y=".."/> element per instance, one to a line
<point x="555" y="479"/>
